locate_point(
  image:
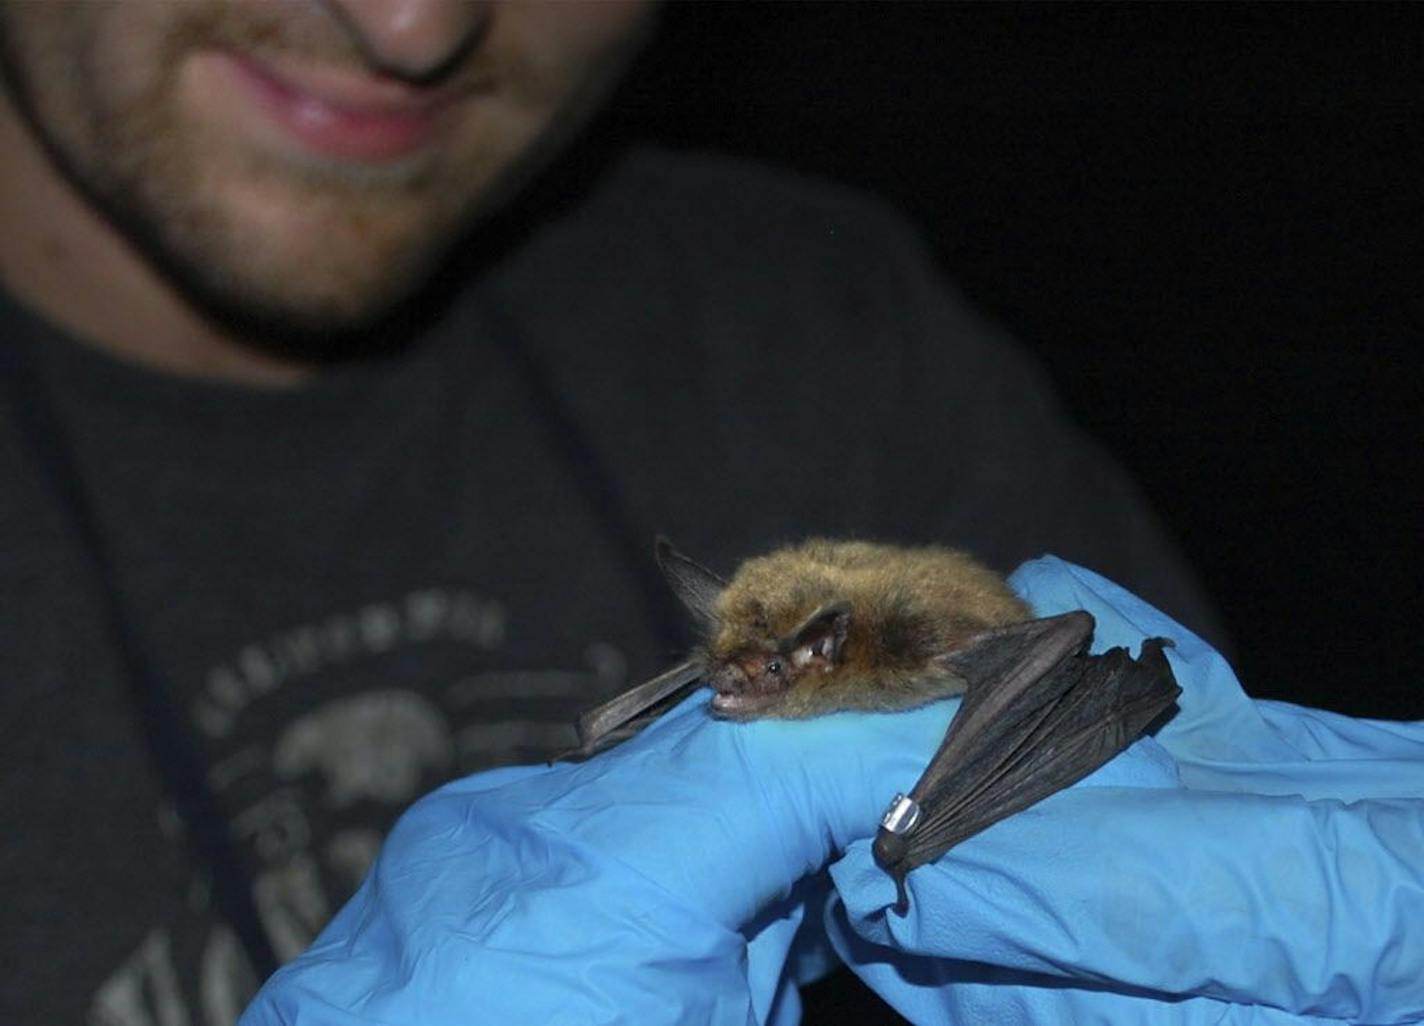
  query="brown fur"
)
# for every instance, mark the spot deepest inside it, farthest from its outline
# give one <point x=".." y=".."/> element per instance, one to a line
<point x="907" y="605"/>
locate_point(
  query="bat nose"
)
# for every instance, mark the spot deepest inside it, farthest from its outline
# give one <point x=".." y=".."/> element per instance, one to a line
<point x="729" y="679"/>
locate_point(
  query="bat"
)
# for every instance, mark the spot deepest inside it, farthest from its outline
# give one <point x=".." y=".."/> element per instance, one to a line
<point x="830" y="625"/>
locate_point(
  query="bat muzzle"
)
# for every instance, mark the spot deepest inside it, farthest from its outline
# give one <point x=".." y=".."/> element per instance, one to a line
<point x="741" y="696"/>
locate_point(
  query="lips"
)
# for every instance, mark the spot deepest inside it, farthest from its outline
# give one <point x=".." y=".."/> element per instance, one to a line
<point x="341" y="114"/>
<point x="735" y="705"/>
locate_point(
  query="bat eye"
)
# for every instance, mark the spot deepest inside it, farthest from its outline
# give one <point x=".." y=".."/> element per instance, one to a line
<point x="774" y="666"/>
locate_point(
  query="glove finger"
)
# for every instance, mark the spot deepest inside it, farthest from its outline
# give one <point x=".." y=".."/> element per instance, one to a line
<point x="827" y="781"/>
<point x="933" y="991"/>
<point x="1308" y="906"/>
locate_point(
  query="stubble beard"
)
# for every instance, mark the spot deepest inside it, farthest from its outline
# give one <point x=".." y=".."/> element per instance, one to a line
<point x="381" y="233"/>
<point x="143" y="164"/>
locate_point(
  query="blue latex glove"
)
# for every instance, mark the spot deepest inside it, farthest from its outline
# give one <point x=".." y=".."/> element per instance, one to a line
<point x="1256" y="863"/>
<point x="617" y="890"/>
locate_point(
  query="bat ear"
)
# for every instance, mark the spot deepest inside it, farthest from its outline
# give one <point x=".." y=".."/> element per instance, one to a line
<point x="819" y="638"/>
<point x="695" y="585"/>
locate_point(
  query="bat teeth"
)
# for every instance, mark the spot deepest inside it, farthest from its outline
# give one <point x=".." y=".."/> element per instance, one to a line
<point x="740" y="705"/>
<point x="727" y="704"/>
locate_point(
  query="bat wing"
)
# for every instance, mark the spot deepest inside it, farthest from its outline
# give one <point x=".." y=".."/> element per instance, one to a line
<point x="626" y="713"/>
<point x="1039" y="714"/>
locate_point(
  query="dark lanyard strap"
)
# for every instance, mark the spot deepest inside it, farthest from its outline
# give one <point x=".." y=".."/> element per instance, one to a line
<point x="170" y="743"/>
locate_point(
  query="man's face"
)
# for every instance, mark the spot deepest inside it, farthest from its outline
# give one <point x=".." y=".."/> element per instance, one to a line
<point x="305" y="162"/>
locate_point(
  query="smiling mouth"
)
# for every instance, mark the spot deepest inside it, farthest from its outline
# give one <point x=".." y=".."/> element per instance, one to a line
<point x="342" y="115"/>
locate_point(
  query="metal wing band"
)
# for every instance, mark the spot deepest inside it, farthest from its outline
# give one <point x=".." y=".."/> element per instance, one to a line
<point x="1039" y="714"/>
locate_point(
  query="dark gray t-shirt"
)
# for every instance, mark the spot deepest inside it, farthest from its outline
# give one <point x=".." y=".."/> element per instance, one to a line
<point x="425" y="565"/>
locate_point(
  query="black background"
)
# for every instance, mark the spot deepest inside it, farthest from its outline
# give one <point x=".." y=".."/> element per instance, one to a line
<point x="1204" y="219"/>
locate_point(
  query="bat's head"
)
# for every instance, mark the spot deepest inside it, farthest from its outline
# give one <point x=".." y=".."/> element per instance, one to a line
<point x="768" y="648"/>
<point x="757" y="677"/>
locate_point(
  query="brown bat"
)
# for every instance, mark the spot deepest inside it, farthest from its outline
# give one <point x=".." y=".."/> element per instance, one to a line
<point x="832" y="625"/>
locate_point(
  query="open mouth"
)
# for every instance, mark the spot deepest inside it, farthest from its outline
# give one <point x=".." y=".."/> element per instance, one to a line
<point x="742" y="705"/>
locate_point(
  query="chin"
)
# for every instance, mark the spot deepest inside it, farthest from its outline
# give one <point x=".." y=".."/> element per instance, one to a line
<point x="313" y="326"/>
<point x="341" y="299"/>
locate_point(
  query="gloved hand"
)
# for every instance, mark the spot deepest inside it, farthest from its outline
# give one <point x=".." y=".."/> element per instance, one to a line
<point x="615" y="890"/>
<point x="1257" y="862"/>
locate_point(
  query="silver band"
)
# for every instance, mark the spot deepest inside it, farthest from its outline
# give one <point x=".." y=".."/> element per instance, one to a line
<point x="902" y="815"/>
